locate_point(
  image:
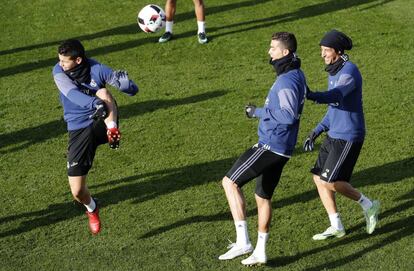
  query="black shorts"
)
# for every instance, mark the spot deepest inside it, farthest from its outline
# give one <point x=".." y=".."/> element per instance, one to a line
<point x="336" y="159"/>
<point x="82" y="147"/>
<point x="261" y="163"/>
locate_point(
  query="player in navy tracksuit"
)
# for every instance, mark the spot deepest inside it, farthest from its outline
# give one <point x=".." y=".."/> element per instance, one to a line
<point x="91" y="114"/>
<point x="345" y="126"/>
<point x="278" y="131"/>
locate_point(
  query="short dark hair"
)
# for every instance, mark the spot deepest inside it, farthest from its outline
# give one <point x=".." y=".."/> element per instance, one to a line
<point x="287" y="39"/>
<point x="72" y="48"/>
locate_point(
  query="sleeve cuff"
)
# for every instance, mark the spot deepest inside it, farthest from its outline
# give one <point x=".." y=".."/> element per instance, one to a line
<point x="259" y="112"/>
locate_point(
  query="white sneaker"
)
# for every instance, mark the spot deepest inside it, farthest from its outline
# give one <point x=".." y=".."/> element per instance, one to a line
<point x="254" y="260"/>
<point x="330" y="232"/>
<point x="371" y="216"/>
<point x="236" y="251"/>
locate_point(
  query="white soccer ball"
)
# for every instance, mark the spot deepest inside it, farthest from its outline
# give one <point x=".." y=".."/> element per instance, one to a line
<point x="151" y="19"/>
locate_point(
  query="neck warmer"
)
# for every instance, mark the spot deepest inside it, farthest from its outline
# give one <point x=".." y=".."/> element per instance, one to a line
<point x="335" y="67"/>
<point x="80" y="73"/>
<point x="286" y="63"/>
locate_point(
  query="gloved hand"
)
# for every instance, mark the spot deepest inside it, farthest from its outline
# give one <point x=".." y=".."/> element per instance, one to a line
<point x="250" y="109"/>
<point x="309" y="141"/>
<point x="125" y="84"/>
<point x="123" y="79"/>
<point x="114" y="136"/>
<point x="101" y="111"/>
<point x="309" y="94"/>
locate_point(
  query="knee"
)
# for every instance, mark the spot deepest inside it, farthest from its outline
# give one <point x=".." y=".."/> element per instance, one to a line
<point x="225" y="182"/>
<point x="262" y="201"/>
<point x="228" y="184"/>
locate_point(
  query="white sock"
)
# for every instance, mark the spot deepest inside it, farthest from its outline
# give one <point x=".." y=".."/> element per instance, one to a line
<point x="169" y="26"/>
<point x="365" y="202"/>
<point x="91" y="206"/>
<point x="336" y="221"/>
<point x="262" y="238"/>
<point x="201" y="27"/>
<point x="242" y="234"/>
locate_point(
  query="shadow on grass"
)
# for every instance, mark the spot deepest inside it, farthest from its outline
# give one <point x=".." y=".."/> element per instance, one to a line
<point x="143" y="187"/>
<point x="34" y="135"/>
<point x="302" y="13"/>
<point x="133" y="28"/>
<point x="394" y="232"/>
<point x="371" y="176"/>
<point x="138" y="188"/>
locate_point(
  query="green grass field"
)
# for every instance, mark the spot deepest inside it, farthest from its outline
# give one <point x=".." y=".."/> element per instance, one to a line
<point x="163" y="207"/>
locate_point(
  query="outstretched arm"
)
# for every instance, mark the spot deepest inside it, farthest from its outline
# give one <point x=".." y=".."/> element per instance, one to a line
<point x="345" y="85"/>
<point x="121" y="81"/>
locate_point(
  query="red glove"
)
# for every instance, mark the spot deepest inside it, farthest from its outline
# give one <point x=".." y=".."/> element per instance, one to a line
<point x="114" y="136"/>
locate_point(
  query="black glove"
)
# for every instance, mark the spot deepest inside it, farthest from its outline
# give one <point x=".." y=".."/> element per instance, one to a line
<point x="101" y="111"/>
<point x="309" y="94"/>
<point x="309" y="141"/>
<point x="250" y="109"/>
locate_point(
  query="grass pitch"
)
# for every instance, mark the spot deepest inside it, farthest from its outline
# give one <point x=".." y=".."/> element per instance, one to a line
<point x="162" y="204"/>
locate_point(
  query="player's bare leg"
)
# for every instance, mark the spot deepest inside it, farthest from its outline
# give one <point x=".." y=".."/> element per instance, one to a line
<point x="170" y="8"/>
<point x="264" y="211"/>
<point x="199" y="10"/>
<point x="370" y="208"/>
<point x="327" y="195"/>
<point x="347" y="190"/>
<point x="81" y="193"/>
<point x="235" y="198"/>
<point x="237" y="204"/>
<point x="201" y="29"/>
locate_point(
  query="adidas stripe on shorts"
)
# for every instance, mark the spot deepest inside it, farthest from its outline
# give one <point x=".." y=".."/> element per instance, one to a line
<point x="258" y="162"/>
<point x="336" y="159"/>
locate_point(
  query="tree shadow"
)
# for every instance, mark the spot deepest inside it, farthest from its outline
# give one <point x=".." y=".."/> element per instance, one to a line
<point x="399" y="229"/>
<point x="38" y="134"/>
<point x="372" y="176"/>
<point x="302" y="13"/>
<point x="133" y="28"/>
<point x="139" y="188"/>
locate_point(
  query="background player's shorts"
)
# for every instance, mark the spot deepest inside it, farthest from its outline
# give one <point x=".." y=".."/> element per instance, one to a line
<point x="82" y="147"/>
<point x="261" y="163"/>
<point x="336" y="159"/>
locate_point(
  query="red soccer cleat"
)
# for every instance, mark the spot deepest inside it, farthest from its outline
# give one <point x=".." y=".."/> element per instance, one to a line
<point x="94" y="221"/>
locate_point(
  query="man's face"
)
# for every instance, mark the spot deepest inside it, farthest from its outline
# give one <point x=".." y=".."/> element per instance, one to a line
<point x="329" y="55"/>
<point x="277" y="51"/>
<point x="67" y="63"/>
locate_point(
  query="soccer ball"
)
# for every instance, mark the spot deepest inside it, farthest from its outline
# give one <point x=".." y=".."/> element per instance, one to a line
<point x="151" y="19"/>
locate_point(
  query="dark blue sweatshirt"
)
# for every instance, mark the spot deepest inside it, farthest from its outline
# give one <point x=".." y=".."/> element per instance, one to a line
<point x="79" y="101"/>
<point x="345" y="117"/>
<point x="279" y="118"/>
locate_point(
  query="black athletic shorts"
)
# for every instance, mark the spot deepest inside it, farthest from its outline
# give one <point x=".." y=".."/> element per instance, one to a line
<point x="336" y="159"/>
<point x="82" y="147"/>
<point x="261" y="163"/>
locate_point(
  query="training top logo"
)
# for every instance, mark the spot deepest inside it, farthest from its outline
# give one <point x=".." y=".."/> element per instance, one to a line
<point x="93" y="84"/>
